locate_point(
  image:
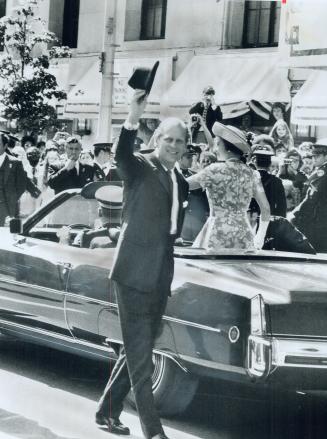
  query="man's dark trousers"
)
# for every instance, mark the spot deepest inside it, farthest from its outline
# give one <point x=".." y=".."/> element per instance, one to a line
<point x="140" y="316"/>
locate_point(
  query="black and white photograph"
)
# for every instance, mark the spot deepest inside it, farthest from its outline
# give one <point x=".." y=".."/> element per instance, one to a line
<point x="163" y="219"/>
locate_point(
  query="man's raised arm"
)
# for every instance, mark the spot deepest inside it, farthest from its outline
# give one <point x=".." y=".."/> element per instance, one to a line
<point x="127" y="162"/>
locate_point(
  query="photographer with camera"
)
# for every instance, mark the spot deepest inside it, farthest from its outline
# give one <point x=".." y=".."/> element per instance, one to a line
<point x="209" y="111"/>
<point x="196" y="120"/>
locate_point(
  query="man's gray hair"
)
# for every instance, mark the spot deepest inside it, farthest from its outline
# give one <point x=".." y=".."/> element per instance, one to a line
<point x="169" y="122"/>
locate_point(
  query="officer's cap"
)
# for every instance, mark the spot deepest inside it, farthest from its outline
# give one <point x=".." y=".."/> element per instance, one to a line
<point x="262" y="150"/>
<point x="110" y="197"/>
<point x="320" y="147"/>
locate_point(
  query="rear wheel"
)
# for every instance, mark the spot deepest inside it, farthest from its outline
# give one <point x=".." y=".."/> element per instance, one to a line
<point x="173" y="389"/>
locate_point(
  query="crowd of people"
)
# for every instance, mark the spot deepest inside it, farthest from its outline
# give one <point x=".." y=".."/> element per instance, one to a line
<point x="285" y="169"/>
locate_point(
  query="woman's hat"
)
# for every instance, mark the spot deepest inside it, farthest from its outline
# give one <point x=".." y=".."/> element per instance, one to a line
<point x="233" y="135"/>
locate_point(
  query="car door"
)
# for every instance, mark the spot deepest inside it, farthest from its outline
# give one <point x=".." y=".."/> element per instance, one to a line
<point x="32" y="284"/>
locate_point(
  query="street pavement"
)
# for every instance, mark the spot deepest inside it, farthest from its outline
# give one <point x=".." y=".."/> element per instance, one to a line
<point x="45" y="394"/>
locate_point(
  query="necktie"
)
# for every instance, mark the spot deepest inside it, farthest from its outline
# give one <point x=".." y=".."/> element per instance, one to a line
<point x="34" y="179"/>
<point x="170" y="181"/>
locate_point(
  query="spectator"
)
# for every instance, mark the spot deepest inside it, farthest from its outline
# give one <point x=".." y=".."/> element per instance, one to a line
<point x="272" y="185"/>
<point x="28" y="202"/>
<point x="280" y="150"/>
<point x="206" y="158"/>
<point x="13" y="186"/>
<point x="311" y="215"/>
<point x="281" y="133"/>
<point x="308" y="165"/>
<point x="197" y="210"/>
<point x="291" y="170"/>
<point x="51" y="164"/>
<point x="209" y="111"/>
<point x="74" y="174"/>
<point x="147" y="129"/>
<point x="86" y="157"/>
<point x="305" y="148"/>
<point x="27" y="142"/>
<point x="104" y="167"/>
<point x="278" y="111"/>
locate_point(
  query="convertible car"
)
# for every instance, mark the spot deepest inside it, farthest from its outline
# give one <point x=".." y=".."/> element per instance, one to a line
<point x="257" y="318"/>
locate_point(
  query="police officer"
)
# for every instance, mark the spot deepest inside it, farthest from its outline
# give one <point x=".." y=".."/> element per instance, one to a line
<point x="310" y="216"/>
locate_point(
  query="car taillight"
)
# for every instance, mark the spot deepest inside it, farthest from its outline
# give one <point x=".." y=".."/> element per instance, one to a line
<point x="259" y="347"/>
<point x="259" y="356"/>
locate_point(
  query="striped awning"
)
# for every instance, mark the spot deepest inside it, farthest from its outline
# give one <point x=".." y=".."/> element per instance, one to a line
<point x="309" y="106"/>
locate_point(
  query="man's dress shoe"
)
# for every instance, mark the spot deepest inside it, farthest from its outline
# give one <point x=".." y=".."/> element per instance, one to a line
<point x="113" y="424"/>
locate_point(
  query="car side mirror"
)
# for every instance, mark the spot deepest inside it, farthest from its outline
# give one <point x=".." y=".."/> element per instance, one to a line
<point x="15" y="226"/>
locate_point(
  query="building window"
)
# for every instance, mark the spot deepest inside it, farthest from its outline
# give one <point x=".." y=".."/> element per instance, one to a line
<point x="63" y="21"/>
<point x="2" y="8"/>
<point x="261" y="23"/>
<point x="153" y="22"/>
<point x="70" y="23"/>
<point x="145" y="19"/>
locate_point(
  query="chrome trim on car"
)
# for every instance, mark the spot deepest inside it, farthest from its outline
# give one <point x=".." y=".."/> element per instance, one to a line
<point x="301" y="353"/>
<point x="214" y="364"/>
<point x="114" y="305"/>
<point x="37" y="287"/>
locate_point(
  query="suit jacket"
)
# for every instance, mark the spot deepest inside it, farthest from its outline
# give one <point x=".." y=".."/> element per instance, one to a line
<point x="63" y="179"/>
<point x="275" y="194"/>
<point x="15" y="181"/>
<point x="100" y="175"/>
<point x="310" y="216"/>
<point x="145" y="247"/>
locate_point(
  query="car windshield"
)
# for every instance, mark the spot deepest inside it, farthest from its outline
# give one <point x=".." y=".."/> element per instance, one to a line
<point x="75" y="210"/>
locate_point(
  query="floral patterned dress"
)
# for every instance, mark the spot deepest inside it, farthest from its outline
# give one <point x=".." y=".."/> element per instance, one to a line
<point x="230" y="186"/>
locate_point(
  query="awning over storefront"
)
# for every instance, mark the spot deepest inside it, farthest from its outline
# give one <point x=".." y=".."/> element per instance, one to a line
<point x="83" y="100"/>
<point x="238" y="79"/>
<point x="309" y="106"/>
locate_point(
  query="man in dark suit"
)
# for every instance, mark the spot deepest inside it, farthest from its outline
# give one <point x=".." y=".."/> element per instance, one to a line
<point x="311" y="215"/>
<point x="13" y="181"/>
<point x="104" y="169"/>
<point x="74" y="174"/>
<point x="154" y="197"/>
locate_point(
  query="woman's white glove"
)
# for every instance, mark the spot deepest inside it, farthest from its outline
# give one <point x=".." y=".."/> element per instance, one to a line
<point x="259" y="238"/>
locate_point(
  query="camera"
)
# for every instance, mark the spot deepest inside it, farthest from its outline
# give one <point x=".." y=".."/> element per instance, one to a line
<point x="194" y="118"/>
<point x="287" y="161"/>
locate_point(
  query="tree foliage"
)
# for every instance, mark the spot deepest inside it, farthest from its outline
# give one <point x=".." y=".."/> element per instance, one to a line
<point x="29" y="89"/>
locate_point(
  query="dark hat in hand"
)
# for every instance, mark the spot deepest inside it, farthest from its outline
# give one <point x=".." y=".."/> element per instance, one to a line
<point x="143" y="77"/>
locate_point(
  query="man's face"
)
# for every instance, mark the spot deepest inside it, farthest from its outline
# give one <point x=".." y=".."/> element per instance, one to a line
<point x="104" y="156"/>
<point x="2" y="147"/>
<point x="207" y="97"/>
<point x="73" y="151"/>
<point x="278" y="113"/>
<point x="319" y="159"/>
<point x="171" y="145"/>
<point x="186" y="161"/>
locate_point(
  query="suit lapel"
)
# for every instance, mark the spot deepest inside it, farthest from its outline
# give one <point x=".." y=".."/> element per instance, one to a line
<point x="162" y="174"/>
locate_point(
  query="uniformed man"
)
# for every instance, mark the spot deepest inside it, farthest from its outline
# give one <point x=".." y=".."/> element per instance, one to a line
<point x="106" y="227"/>
<point x="104" y="169"/>
<point x="310" y="216"/>
<point x="281" y="235"/>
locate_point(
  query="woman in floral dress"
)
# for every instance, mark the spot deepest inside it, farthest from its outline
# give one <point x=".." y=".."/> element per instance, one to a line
<point x="230" y="185"/>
